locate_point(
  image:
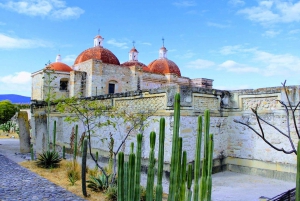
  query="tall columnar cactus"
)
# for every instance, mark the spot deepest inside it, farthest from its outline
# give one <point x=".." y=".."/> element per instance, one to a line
<point x="131" y="174"/>
<point x="160" y="166"/>
<point x="179" y="176"/>
<point x="189" y="183"/>
<point x="121" y="176"/>
<point x="183" y="177"/>
<point x="205" y="166"/>
<point x="150" y="175"/>
<point x="83" y="168"/>
<point x="209" y="168"/>
<point x="54" y="136"/>
<point x="31" y="152"/>
<point x="75" y="143"/>
<point x="298" y="173"/>
<point x="126" y="181"/>
<point x="137" y="177"/>
<point x="175" y="152"/>
<point x="197" y="159"/>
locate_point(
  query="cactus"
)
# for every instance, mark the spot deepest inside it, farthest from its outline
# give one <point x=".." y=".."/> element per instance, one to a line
<point x="137" y="177"/>
<point x="159" y="189"/>
<point x="64" y="152"/>
<point x="31" y="152"/>
<point x="75" y="143"/>
<point x="209" y="168"/>
<point x="120" y="176"/>
<point x="150" y="176"/>
<point x="189" y="183"/>
<point x="175" y="153"/>
<point x="131" y="171"/>
<point x="126" y="180"/>
<point x="197" y="160"/>
<point x="179" y="176"/>
<point x="54" y="136"/>
<point x="205" y="166"/>
<point x="183" y="177"/>
<point x="83" y="168"/>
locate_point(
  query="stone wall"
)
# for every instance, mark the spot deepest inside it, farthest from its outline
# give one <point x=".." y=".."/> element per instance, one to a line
<point x="238" y="147"/>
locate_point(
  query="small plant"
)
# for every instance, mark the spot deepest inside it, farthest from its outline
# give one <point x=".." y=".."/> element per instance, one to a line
<point x="73" y="176"/>
<point x="112" y="193"/>
<point x="97" y="183"/>
<point x="48" y="159"/>
<point x="93" y="172"/>
<point x="73" y="172"/>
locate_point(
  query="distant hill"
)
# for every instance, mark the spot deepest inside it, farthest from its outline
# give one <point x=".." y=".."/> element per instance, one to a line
<point x="15" y="98"/>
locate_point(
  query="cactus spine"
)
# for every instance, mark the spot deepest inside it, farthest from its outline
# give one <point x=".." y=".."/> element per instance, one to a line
<point x="83" y="168"/>
<point x="120" y="176"/>
<point x="64" y="152"/>
<point x="54" y="136"/>
<point x="137" y="177"/>
<point x="160" y="166"/>
<point x="150" y="176"/>
<point x="175" y="151"/>
<point x="197" y="160"/>
<point x="298" y="173"/>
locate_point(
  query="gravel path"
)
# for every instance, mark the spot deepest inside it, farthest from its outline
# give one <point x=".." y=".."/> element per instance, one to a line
<point x="18" y="183"/>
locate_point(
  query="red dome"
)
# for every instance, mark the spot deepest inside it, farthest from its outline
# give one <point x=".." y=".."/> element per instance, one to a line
<point x="58" y="66"/>
<point x="164" y="66"/>
<point x="133" y="63"/>
<point x="98" y="53"/>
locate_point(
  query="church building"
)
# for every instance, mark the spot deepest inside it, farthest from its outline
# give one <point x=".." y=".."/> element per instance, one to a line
<point x="97" y="71"/>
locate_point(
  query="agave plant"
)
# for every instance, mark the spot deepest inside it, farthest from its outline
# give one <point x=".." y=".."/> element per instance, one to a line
<point x="97" y="183"/>
<point x="112" y="193"/>
<point x="48" y="159"/>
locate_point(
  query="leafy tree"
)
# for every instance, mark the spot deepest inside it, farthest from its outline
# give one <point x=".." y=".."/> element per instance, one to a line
<point x="7" y="111"/>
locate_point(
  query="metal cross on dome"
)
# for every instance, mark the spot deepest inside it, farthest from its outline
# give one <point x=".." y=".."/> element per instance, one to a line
<point x="163" y="40"/>
<point x="133" y="42"/>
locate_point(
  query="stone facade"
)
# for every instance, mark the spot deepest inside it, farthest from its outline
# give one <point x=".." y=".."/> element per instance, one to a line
<point x="236" y="147"/>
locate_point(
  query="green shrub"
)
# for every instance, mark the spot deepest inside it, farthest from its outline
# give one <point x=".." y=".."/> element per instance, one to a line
<point x="112" y="193"/>
<point x="97" y="183"/>
<point x="48" y="159"/>
<point x="73" y="172"/>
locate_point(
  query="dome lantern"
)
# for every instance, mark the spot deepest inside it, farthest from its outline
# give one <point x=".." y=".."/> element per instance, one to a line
<point x="58" y="58"/>
<point x="163" y="50"/>
<point x="98" y="40"/>
<point x="133" y="54"/>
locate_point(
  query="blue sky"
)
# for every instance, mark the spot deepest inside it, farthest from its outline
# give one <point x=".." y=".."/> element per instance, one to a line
<point x="239" y="44"/>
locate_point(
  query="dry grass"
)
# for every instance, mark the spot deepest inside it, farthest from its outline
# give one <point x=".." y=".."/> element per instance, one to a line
<point x="59" y="177"/>
<point x="4" y="135"/>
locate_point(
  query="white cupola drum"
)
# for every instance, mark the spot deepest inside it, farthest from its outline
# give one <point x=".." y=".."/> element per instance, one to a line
<point x="98" y="40"/>
<point x="58" y="58"/>
<point x="163" y="51"/>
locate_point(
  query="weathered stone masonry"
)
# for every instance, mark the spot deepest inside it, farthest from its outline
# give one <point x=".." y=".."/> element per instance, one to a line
<point x="241" y="150"/>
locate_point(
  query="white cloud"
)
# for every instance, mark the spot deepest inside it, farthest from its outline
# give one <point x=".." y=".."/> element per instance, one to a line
<point x="281" y="64"/>
<point x="272" y="11"/>
<point x="69" y="59"/>
<point x="233" y="66"/>
<point x="226" y="50"/>
<point x="236" y="2"/>
<point x="7" y="42"/>
<point x="295" y="31"/>
<point x="200" y="64"/>
<point x="185" y="3"/>
<point x="17" y="78"/>
<point x="114" y="42"/>
<point x="146" y="43"/>
<point x="212" y="24"/>
<point x="55" y="9"/>
<point x="271" y="33"/>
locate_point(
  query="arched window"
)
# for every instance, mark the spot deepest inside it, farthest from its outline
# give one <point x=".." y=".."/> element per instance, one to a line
<point x="63" y="85"/>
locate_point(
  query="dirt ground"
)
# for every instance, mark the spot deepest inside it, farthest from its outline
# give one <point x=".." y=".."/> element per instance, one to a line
<point x="227" y="186"/>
